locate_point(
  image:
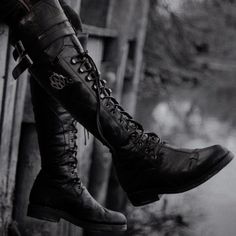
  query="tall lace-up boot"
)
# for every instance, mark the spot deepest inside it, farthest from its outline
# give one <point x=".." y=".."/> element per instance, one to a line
<point x="146" y="166"/>
<point x="58" y="191"/>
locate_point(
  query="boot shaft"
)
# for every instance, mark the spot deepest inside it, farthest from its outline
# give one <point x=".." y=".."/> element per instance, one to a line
<point x="71" y="76"/>
<point x="56" y="130"/>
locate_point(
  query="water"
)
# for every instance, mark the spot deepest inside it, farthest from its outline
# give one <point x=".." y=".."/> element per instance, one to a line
<point x="214" y="201"/>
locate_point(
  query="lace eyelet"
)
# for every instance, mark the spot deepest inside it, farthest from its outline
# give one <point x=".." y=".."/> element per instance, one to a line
<point x="94" y="87"/>
<point x="85" y="67"/>
<point x="88" y="79"/>
<point x="104" y="82"/>
<point x="73" y="61"/>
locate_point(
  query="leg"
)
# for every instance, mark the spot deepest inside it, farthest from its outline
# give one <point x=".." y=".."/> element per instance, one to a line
<point x="145" y="165"/>
<point x="58" y="192"/>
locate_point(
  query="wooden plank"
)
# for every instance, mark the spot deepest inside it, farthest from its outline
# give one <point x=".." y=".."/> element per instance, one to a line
<point x="12" y="99"/>
<point x="3" y="49"/>
<point x="3" y="54"/>
<point x="138" y="60"/>
<point x="110" y="12"/>
<point x="121" y="71"/>
<point x="8" y="103"/>
<point x="15" y="136"/>
<point x="100" y="172"/>
<point x="120" y="18"/>
<point x="100" y="32"/>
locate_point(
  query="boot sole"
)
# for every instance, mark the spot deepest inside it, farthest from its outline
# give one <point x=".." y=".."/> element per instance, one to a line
<point x="141" y="198"/>
<point x="54" y="215"/>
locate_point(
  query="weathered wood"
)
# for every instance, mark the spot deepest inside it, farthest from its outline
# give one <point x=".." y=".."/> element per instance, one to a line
<point x="3" y="55"/>
<point x="100" y="172"/>
<point x="11" y="117"/>
<point x="100" y="32"/>
<point x="110" y="12"/>
<point x="120" y="18"/>
<point x="130" y="99"/>
<point x="8" y="102"/>
<point x="15" y="136"/>
<point x="12" y="100"/>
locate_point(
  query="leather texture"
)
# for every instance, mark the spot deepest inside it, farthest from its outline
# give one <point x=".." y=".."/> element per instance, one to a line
<point x="58" y="185"/>
<point x="145" y="165"/>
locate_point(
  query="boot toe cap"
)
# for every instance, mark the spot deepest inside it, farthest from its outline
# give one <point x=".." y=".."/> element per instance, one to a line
<point x="213" y="159"/>
<point x="214" y="154"/>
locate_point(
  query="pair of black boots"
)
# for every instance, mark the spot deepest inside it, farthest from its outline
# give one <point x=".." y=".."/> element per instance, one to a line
<point x="146" y="166"/>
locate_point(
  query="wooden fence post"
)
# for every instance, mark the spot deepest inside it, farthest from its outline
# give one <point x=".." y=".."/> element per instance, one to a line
<point x="12" y="100"/>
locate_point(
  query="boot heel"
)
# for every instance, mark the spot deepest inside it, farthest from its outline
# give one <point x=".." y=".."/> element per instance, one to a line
<point x="143" y="198"/>
<point x="43" y="213"/>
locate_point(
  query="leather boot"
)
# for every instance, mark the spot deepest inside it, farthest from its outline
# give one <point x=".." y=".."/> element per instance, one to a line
<point x="145" y="165"/>
<point x="58" y="191"/>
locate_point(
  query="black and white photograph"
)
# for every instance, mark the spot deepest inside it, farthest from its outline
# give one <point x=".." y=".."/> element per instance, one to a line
<point x="117" y="117"/>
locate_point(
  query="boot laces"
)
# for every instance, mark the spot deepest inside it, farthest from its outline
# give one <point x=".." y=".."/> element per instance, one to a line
<point x="73" y="162"/>
<point x="140" y="140"/>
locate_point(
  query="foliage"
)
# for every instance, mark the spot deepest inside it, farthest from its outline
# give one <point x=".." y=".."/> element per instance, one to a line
<point x="192" y="42"/>
<point x="193" y="47"/>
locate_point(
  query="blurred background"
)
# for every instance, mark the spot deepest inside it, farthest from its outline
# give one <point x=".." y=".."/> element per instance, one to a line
<point x="171" y="63"/>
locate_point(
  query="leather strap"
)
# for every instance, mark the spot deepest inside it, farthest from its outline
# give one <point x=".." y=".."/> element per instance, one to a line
<point x="54" y="33"/>
<point x="51" y="22"/>
<point x="19" y="50"/>
<point x="46" y="39"/>
<point x="23" y="65"/>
